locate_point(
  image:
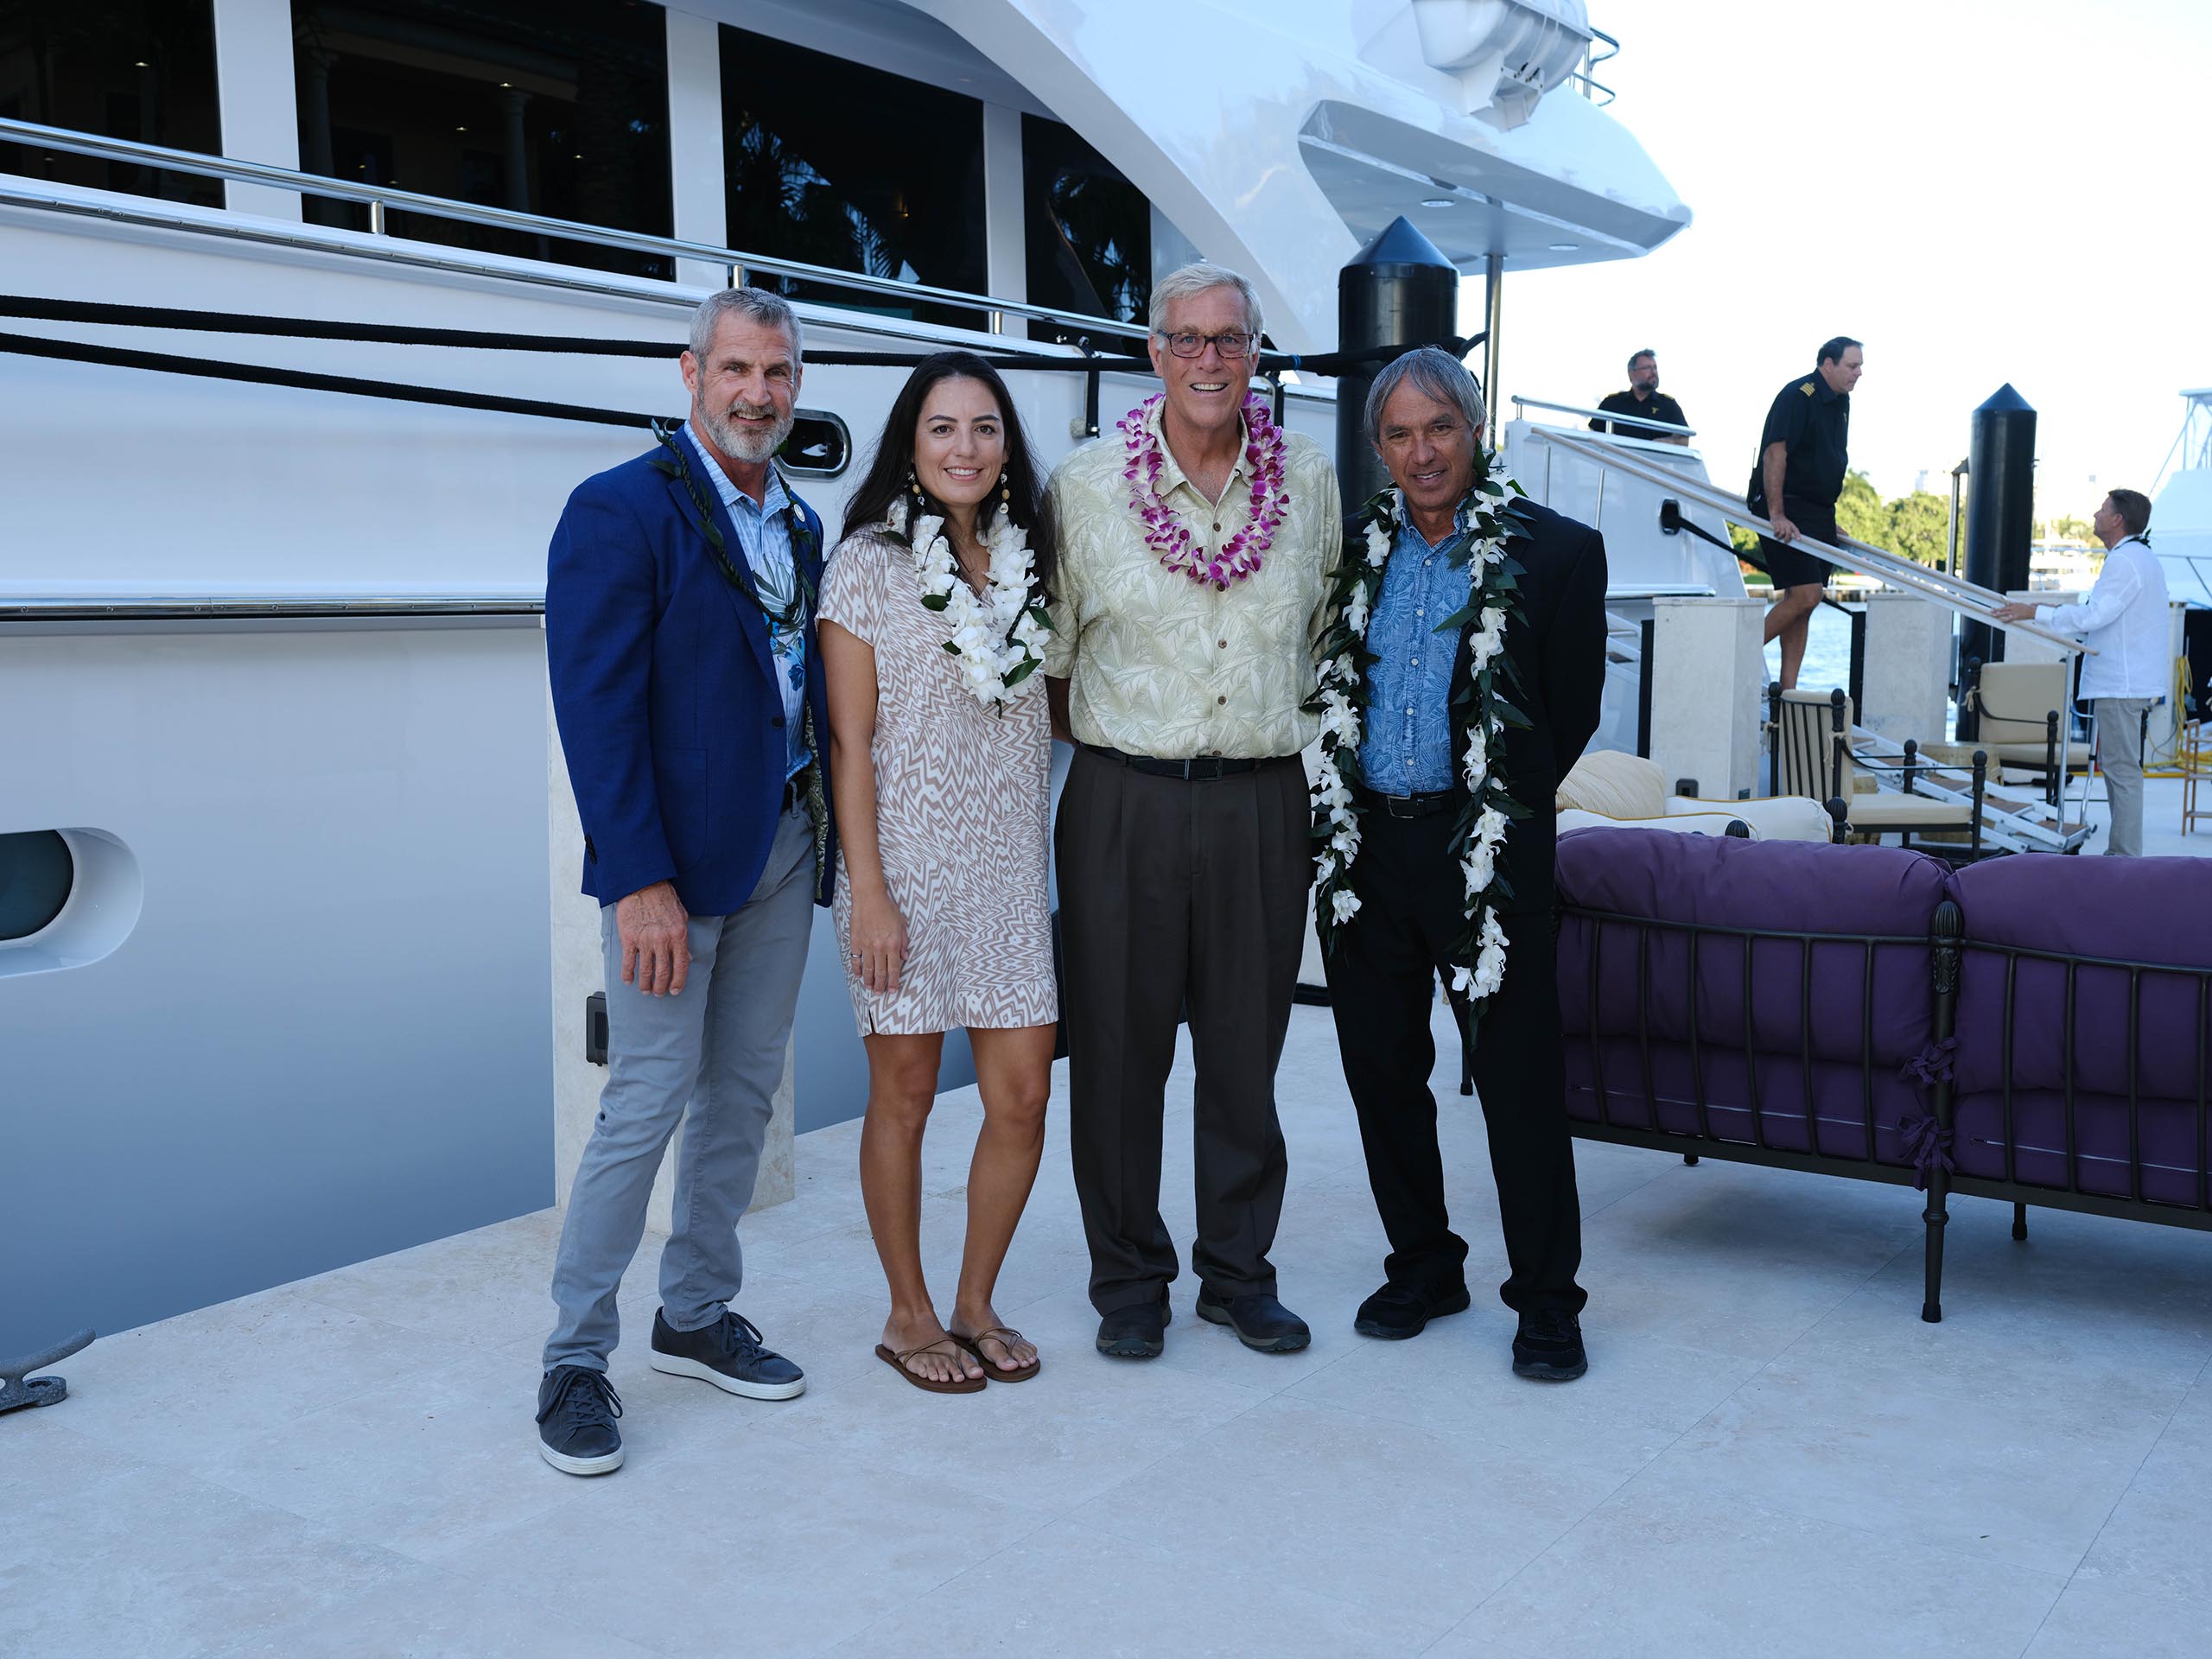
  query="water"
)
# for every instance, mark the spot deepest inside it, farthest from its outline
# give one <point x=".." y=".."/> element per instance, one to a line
<point x="1828" y="661"/>
<point x="1828" y="654"/>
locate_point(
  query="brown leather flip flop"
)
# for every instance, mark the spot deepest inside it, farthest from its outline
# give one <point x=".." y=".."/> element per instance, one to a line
<point x="1007" y="1336"/>
<point x="928" y="1385"/>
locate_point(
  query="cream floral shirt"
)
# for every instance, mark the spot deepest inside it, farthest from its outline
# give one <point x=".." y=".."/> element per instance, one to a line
<point x="1158" y="664"/>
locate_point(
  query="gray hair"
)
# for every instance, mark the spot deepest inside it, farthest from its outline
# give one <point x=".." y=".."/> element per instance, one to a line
<point x="1188" y="282"/>
<point x="1436" y="372"/>
<point x="769" y="310"/>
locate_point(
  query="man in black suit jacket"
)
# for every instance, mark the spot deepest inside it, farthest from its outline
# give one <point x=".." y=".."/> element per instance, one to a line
<point x="1434" y="827"/>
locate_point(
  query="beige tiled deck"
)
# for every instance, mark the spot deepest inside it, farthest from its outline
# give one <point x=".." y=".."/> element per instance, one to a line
<point x="1771" y="1454"/>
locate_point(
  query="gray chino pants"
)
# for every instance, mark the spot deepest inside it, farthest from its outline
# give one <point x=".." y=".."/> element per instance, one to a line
<point x="2119" y="752"/>
<point x="717" y="1050"/>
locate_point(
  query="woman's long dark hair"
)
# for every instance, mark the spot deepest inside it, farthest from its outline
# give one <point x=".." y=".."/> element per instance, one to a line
<point x="890" y="472"/>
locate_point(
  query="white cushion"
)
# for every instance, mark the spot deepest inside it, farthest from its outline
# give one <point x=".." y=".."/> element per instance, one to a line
<point x="1687" y="824"/>
<point x="1886" y="810"/>
<point x="1615" y="785"/>
<point x="1778" y="817"/>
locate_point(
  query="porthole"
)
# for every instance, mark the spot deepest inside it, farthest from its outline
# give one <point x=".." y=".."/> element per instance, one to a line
<point x="819" y="445"/>
<point x="36" y="877"/>
<point x="68" y="897"/>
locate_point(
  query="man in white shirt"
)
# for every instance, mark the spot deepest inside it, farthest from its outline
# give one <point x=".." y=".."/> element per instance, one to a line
<point x="2123" y="621"/>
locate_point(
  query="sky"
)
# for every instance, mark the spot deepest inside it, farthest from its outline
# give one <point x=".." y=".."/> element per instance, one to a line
<point x="1983" y="191"/>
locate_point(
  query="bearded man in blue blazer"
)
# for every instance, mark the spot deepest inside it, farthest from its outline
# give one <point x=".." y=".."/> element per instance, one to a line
<point x="679" y="636"/>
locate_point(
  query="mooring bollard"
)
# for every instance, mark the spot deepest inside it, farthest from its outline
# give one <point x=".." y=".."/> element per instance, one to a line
<point x="16" y="1392"/>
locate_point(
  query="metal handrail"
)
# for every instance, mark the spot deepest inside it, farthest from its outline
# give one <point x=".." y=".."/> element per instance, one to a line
<point x="1967" y="599"/>
<point x="84" y="607"/>
<point x="378" y="199"/>
<point x="1590" y="84"/>
<point x="1520" y="402"/>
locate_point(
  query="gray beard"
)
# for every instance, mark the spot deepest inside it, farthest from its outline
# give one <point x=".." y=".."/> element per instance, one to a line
<point x="737" y="445"/>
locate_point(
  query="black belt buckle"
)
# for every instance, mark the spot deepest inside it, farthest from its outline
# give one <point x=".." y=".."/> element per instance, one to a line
<point x="1410" y="806"/>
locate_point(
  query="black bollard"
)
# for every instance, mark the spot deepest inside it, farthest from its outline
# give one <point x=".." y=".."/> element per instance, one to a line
<point x="1398" y="290"/>
<point x="2000" y="519"/>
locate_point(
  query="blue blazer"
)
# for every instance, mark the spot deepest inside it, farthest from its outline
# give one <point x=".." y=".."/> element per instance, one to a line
<point x="667" y="698"/>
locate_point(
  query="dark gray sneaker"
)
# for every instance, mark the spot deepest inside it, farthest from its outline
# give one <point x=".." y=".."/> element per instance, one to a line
<point x="1262" y="1323"/>
<point x="1138" y="1332"/>
<point x="576" y="1409"/>
<point x="728" y="1354"/>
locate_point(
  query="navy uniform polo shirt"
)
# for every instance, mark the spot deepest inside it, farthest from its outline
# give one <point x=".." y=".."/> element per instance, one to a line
<point x="1814" y="424"/>
<point x="1659" y="406"/>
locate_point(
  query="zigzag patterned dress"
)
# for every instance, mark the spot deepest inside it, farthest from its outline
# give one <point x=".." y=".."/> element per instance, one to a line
<point x="962" y="803"/>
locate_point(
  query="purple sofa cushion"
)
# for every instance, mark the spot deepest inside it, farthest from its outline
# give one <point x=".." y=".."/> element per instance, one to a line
<point x="2135" y="909"/>
<point x="2024" y="1027"/>
<point x="1802" y="885"/>
<point x="1822" y="1070"/>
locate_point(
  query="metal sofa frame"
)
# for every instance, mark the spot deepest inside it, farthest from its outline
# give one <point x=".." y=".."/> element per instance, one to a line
<point x="1947" y="948"/>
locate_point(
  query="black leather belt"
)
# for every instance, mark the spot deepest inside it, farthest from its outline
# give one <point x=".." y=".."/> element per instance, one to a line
<point x="794" y="790"/>
<point x="1200" y="769"/>
<point x="1407" y="806"/>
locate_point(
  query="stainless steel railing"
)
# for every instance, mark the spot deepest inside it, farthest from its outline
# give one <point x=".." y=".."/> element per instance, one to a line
<point x="1605" y="415"/>
<point x="213" y="607"/>
<point x="1596" y="91"/>
<point x="379" y="200"/>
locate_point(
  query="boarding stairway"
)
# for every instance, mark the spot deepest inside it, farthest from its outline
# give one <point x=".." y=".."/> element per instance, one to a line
<point x="2014" y="816"/>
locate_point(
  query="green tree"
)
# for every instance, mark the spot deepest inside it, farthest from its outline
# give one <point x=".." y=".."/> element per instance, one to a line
<point x="1919" y="528"/>
<point x="2070" y="530"/>
<point x="1859" y="513"/>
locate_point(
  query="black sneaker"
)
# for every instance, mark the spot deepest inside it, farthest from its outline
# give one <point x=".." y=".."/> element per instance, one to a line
<point x="576" y="1409"/>
<point x="1548" y="1347"/>
<point x="1138" y="1332"/>
<point x="1262" y="1323"/>
<point x="1396" y="1311"/>
<point x="728" y="1354"/>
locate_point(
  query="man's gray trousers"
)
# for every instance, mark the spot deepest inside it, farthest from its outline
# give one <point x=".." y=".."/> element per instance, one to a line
<point x="2119" y="752"/>
<point x="718" y="1049"/>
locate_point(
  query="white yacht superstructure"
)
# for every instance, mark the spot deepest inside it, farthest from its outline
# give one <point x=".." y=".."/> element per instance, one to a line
<point x="275" y="888"/>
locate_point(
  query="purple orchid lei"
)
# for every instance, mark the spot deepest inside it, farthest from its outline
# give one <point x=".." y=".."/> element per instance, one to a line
<point x="1165" y="532"/>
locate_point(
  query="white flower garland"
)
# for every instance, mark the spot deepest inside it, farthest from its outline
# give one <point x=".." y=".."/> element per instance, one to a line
<point x="1340" y="699"/>
<point x="998" y="634"/>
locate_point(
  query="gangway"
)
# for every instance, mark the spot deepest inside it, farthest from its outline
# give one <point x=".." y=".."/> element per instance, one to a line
<point x="2015" y="822"/>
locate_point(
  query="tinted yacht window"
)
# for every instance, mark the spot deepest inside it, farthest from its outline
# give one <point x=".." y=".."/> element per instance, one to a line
<point x="553" y="107"/>
<point x="140" y="69"/>
<point x="838" y="164"/>
<point x="1088" y="229"/>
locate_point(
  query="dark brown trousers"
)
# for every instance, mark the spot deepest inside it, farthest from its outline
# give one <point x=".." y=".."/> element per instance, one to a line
<point x="1178" y="895"/>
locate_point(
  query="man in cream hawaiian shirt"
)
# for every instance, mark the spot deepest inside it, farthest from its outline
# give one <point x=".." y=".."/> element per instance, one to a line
<point x="1196" y="546"/>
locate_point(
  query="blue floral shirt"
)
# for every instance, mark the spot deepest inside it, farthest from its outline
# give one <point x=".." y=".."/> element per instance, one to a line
<point x="1405" y="746"/>
<point x="763" y="531"/>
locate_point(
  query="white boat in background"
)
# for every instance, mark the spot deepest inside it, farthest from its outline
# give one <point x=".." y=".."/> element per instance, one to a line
<point x="2181" y="511"/>
<point x="275" y="888"/>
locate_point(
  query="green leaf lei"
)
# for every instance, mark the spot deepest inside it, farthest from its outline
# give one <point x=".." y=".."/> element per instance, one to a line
<point x="1481" y="709"/>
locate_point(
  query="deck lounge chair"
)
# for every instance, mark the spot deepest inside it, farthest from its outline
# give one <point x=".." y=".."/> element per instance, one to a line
<point x="1813" y="757"/>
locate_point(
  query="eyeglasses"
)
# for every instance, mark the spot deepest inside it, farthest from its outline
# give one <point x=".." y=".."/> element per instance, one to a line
<point x="1231" y="347"/>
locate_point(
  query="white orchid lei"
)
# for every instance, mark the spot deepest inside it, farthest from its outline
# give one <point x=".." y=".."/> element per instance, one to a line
<point x="998" y="634"/>
<point x="1480" y="708"/>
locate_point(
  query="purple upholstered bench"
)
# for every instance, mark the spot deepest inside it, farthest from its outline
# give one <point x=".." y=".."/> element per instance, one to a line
<point x="2085" y="1034"/>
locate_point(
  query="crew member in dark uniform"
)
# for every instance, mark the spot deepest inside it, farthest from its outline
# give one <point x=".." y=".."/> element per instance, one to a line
<point x="1794" y="485"/>
<point x="1642" y="397"/>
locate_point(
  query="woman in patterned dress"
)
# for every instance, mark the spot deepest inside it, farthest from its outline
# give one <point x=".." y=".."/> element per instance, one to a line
<point x="940" y="754"/>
